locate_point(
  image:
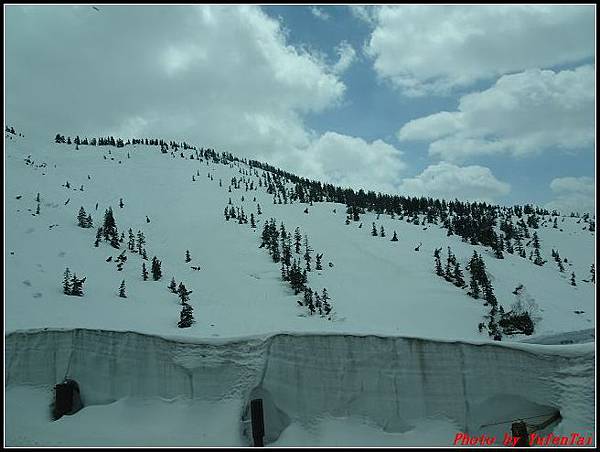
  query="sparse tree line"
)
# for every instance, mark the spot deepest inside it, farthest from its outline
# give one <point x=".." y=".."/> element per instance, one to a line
<point x="480" y="287"/>
<point x="290" y="250"/>
<point x="119" y="142"/>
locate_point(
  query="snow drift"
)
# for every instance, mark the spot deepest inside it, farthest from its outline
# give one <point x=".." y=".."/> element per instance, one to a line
<point x="391" y="381"/>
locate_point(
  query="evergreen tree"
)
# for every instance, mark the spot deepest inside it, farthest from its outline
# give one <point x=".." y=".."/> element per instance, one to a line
<point x="458" y="276"/>
<point x="395" y="237"/>
<point x="37" y="210"/>
<point x="121" y="203"/>
<point x="81" y="218"/>
<point x="488" y="294"/>
<point x="382" y="232"/>
<point x="318" y="264"/>
<point x="89" y="223"/>
<point x="141" y="241"/>
<point x="188" y="258"/>
<point x="98" y="237"/>
<point x="77" y="286"/>
<point x="186" y="317"/>
<point x="122" y="290"/>
<point x="156" y="272"/>
<point x="144" y="272"/>
<point x="536" y="250"/>
<point x="114" y="239"/>
<point x="252" y="221"/>
<point x="449" y="271"/>
<point x="297" y="240"/>
<point x="374" y="231"/>
<point x="307" y="251"/>
<point x="308" y="300"/>
<point x="183" y="293"/>
<point x="173" y="285"/>
<point x="325" y="300"/>
<point x="473" y="287"/>
<point x="109" y="225"/>
<point x="131" y="242"/>
<point x="67" y="282"/>
<point x="573" y="279"/>
<point x="438" y="263"/>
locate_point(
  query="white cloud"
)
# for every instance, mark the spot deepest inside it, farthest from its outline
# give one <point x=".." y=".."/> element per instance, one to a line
<point x="520" y="115"/>
<point x="347" y="56"/>
<point x="364" y="13"/>
<point x="349" y="162"/>
<point x="573" y="194"/>
<point x="319" y="13"/>
<point x="228" y="79"/>
<point x="448" y="181"/>
<point x="432" y="48"/>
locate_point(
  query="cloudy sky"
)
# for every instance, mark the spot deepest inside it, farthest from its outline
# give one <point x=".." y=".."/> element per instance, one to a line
<point x="490" y="103"/>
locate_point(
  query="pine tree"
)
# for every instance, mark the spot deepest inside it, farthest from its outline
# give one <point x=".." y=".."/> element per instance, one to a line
<point x="109" y="224"/>
<point x="395" y="237"/>
<point x="297" y="240"/>
<point x="67" y="282"/>
<point x="144" y="272"/>
<point x="448" y="272"/>
<point x="37" y="210"/>
<point x="122" y="290"/>
<point x="183" y="293"/>
<point x="98" y="237"/>
<point x="173" y="285"/>
<point x="156" y="272"/>
<point x="186" y="317"/>
<point x="473" y="287"/>
<point x="325" y="300"/>
<point x="89" y="223"/>
<point x="458" y="276"/>
<point x="141" y="241"/>
<point x="308" y="300"/>
<point x="438" y="263"/>
<point x="114" y="239"/>
<point x="536" y="247"/>
<point x="77" y="286"/>
<point x="188" y="258"/>
<point x="318" y="265"/>
<point x="307" y="250"/>
<point x="131" y="242"/>
<point x="252" y="221"/>
<point x="573" y="279"/>
<point x="121" y="203"/>
<point x="81" y="218"/>
<point x="382" y="232"/>
<point x="374" y="231"/>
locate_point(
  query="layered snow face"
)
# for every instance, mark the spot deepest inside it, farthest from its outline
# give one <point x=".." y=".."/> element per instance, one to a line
<point x="392" y="382"/>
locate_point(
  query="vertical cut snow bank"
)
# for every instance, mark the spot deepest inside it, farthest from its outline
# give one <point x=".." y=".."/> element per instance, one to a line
<point x="391" y="381"/>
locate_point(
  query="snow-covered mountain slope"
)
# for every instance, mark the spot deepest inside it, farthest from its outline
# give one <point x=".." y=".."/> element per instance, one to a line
<point x="361" y="390"/>
<point x="376" y="286"/>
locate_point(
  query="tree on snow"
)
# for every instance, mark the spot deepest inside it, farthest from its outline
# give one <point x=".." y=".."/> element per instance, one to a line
<point x="122" y="290"/>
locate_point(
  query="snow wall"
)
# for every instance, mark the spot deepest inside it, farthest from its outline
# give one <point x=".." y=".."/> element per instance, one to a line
<point x="391" y="381"/>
